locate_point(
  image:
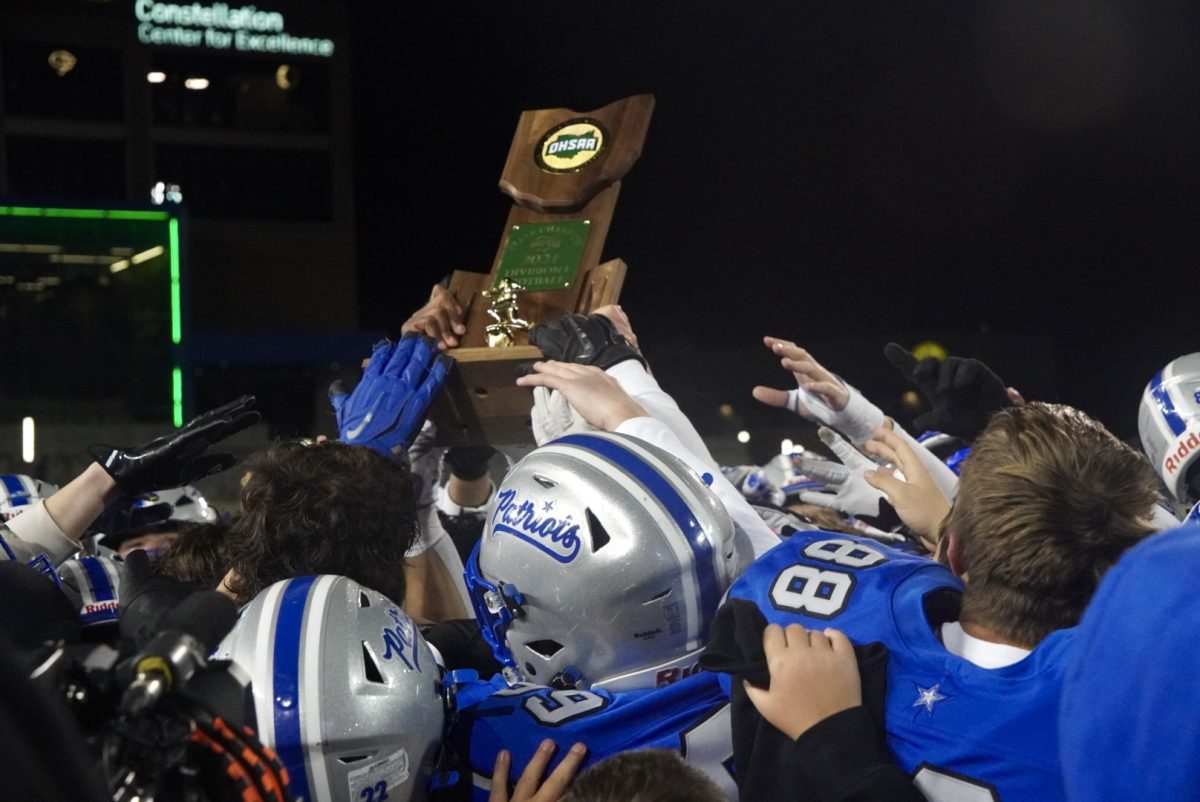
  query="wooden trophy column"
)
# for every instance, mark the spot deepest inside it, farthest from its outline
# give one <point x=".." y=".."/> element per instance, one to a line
<point x="564" y="173"/>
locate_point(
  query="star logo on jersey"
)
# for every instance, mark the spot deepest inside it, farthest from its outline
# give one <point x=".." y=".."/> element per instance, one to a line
<point x="927" y="697"/>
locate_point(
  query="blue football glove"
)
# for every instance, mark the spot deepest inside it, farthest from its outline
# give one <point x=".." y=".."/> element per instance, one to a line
<point x="387" y="408"/>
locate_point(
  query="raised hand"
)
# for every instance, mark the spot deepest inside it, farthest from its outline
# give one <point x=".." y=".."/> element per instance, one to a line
<point x="851" y="492"/>
<point x="594" y="394"/>
<point x="818" y="396"/>
<point x="914" y="494"/>
<point x="962" y="392"/>
<point x="440" y="318"/>
<point x="177" y="458"/>
<point x="387" y="408"/>
<point x="585" y="340"/>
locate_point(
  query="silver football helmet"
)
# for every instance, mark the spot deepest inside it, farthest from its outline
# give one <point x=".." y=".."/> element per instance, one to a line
<point x="19" y="492"/>
<point x="346" y="690"/>
<point x="602" y="563"/>
<point x="93" y="582"/>
<point x="1169" y="425"/>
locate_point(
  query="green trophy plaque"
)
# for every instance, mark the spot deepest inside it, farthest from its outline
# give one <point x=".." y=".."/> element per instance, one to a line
<point x="543" y="256"/>
<point x="564" y="173"/>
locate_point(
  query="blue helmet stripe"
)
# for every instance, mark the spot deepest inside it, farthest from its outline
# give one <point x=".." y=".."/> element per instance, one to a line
<point x="285" y="698"/>
<point x="1165" y="405"/>
<point x="7" y="549"/>
<point x="699" y="540"/>
<point x="102" y="589"/>
<point x="18" y="496"/>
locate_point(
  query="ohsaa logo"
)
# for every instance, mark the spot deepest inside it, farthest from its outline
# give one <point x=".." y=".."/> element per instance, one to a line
<point x="570" y="146"/>
<point x="1183" y="447"/>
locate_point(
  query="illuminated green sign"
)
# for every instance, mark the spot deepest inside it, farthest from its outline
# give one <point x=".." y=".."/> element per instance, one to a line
<point x="219" y="26"/>
<point x="79" y="263"/>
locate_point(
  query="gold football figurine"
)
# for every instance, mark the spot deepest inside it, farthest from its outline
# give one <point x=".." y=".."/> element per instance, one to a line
<point x="503" y="309"/>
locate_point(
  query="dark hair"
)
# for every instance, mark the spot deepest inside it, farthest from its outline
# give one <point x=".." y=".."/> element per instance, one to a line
<point x="197" y="557"/>
<point x="644" y="775"/>
<point x="1047" y="502"/>
<point x="324" y="508"/>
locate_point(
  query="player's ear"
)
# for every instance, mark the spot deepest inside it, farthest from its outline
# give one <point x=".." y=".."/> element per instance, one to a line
<point x="950" y="553"/>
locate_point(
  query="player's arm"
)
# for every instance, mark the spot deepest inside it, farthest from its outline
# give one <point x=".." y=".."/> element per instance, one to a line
<point x="602" y="402"/>
<point x="53" y="527"/>
<point x="821" y="396"/>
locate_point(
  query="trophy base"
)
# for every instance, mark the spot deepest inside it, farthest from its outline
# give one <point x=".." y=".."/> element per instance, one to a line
<point x="481" y="403"/>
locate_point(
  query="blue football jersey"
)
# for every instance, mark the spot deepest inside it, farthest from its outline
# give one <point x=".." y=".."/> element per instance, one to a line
<point x="690" y="716"/>
<point x="965" y="733"/>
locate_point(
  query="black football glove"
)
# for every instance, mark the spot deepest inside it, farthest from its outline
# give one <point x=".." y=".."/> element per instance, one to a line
<point x="963" y="393"/>
<point x="584" y="340"/>
<point x="177" y="458"/>
<point x="145" y="598"/>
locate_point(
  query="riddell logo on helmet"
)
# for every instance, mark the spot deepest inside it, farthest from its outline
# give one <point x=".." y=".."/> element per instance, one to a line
<point x="669" y="676"/>
<point x="1184" y="447"/>
<point x="100" y="607"/>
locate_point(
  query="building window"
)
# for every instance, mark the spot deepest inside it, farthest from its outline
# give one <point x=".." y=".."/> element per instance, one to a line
<point x="243" y="94"/>
<point x="61" y="81"/>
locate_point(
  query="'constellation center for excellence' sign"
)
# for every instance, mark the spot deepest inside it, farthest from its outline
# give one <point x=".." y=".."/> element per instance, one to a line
<point x="220" y="26"/>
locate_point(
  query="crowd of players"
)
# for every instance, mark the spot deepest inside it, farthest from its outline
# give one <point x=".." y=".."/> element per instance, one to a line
<point x="910" y="618"/>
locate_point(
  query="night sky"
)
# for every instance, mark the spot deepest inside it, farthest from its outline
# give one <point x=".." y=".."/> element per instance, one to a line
<point x="1015" y="180"/>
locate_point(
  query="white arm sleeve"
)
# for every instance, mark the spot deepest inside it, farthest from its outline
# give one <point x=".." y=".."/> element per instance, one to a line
<point x="946" y="479"/>
<point x="33" y="533"/>
<point x="753" y="537"/>
<point x="861" y="417"/>
<point x="644" y="389"/>
<point x="433" y="537"/>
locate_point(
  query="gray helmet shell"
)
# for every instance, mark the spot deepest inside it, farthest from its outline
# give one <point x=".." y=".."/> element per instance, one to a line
<point x="346" y="690"/>
<point x="1169" y="424"/>
<point x="619" y="554"/>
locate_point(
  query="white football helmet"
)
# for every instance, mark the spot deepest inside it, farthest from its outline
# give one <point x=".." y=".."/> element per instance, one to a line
<point x="346" y="690"/>
<point x="602" y="563"/>
<point x="1169" y="425"/>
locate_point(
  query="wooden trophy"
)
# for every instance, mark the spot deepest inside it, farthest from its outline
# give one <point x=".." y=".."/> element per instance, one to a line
<point x="563" y="173"/>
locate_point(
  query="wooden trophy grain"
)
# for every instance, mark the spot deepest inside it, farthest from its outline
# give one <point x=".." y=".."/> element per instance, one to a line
<point x="480" y="403"/>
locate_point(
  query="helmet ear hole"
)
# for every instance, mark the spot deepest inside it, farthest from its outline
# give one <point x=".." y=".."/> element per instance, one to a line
<point x="544" y="648"/>
<point x="662" y="594"/>
<point x="370" y="667"/>
<point x="600" y="536"/>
